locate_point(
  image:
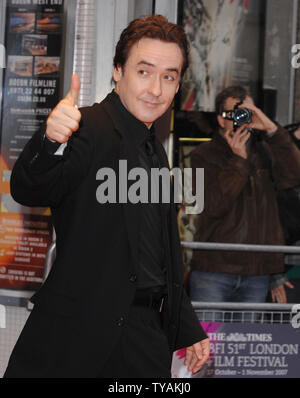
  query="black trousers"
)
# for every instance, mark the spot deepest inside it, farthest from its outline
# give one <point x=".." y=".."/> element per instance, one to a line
<point x="142" y="351"/>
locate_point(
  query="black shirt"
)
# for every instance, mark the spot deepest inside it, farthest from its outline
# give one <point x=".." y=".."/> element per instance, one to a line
<point x="152" y="270"/>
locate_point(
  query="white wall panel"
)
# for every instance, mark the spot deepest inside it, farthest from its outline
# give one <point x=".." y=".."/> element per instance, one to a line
<point x="168" y="8"/>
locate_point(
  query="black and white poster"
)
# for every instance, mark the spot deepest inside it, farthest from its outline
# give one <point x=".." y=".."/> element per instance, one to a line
<point x="221" y="52"/>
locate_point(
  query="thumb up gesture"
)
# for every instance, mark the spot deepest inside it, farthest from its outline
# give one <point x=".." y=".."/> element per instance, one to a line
<point x="64" y="120"/>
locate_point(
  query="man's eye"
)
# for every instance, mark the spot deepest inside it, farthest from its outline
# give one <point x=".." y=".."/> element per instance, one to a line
<point x="142" y="72"/>
<point x="170" y="78"/>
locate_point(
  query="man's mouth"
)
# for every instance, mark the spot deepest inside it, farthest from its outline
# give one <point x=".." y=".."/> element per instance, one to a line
<point x="151" y="104"/>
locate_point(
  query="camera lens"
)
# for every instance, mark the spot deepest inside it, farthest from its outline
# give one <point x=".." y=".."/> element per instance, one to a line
<point x="240" y="115"/>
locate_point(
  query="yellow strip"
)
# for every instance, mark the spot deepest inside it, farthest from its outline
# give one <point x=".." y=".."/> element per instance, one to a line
<point x="194" y="139"/>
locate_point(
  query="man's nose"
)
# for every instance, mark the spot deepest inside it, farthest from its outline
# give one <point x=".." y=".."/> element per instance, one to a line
<point x="155" y="86"/>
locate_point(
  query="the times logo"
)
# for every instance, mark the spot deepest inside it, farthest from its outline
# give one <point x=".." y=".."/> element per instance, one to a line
<point x="2" y="317"/>
<point x="295" y="321"/>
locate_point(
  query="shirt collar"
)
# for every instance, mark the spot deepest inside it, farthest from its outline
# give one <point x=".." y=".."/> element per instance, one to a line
<point x="137" y="129"/>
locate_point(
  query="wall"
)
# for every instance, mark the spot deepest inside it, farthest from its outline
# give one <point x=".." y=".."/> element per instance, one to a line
<point x="281" y="25"/>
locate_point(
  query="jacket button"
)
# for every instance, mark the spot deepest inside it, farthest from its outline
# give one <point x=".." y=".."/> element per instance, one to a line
<point x="34" y="158"/>
<point x="120" y="321"/>
<point x="133" y="278"/>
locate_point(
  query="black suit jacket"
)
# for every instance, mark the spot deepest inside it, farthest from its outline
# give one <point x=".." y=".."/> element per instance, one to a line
<point x="79" y="311"/>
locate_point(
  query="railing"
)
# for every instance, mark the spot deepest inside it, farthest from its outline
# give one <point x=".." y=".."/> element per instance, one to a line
<point x="245" y="312"/>
<point x="241" y="247"/>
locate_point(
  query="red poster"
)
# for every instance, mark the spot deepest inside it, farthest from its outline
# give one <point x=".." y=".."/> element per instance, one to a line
<point x="24" y="240"/>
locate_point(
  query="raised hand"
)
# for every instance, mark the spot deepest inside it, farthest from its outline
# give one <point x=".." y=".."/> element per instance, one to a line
<point x="259" y="120"/>
<point x="237" y="140"/>
<point x="64" y="120"/>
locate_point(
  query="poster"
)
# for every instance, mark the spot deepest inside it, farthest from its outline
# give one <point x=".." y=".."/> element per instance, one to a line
<point x="221" y="54"/>
<point x="243" y="350"/>
<point x="31" y="88"/>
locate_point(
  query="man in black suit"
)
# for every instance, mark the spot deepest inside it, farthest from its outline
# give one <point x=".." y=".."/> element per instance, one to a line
<point x="113" y="304"/>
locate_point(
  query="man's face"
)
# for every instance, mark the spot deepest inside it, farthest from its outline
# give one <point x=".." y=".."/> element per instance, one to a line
<point x="229" y="106"/>
<point x="150" y="79"/>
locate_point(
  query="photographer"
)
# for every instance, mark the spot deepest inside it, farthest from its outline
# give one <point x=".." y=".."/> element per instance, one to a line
<point x="249" y="157"/>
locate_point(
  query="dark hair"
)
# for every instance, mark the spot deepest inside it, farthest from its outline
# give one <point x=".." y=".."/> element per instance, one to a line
<point x="152" y="27"/>
<point x="238" y="92"/>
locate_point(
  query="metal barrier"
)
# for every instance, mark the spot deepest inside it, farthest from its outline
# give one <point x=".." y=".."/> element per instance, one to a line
<point x="243" y="312"/>
<point x="241" y="247"/>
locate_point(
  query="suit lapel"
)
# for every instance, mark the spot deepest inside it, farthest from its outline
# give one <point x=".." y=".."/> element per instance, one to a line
<point x="129" y="153"/>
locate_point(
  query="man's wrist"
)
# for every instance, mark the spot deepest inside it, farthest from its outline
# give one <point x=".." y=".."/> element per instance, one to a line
<point x="271" y="130"/>
<point x="47" y="137"/>
<point x="50" y="145"/>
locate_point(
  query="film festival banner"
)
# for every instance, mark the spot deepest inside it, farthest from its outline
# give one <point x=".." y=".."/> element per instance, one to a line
<point x="244" y="350"/>
<point x="31" y="87"/>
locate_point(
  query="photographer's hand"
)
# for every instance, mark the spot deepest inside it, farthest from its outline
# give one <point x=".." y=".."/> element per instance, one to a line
<point x="237" y="140"/>
<point x="259" y="120"/>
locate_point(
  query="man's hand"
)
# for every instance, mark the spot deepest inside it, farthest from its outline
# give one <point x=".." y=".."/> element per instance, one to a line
<point x="237" y="140"/>
<point x="297" y="133"/>
<point x="64" y="120"/>
<point x="259" y="120"/>
<point x="196" y="355"/>
<point x="278" y="293"/>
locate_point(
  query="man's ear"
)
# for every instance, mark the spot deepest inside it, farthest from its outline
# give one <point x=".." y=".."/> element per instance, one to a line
<point x="221" y="121"/>
<point x="117" y="73"/>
